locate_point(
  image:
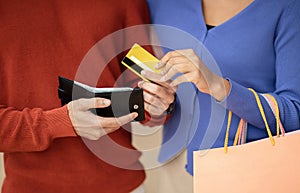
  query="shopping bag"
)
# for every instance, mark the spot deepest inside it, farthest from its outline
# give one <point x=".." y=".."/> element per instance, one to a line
<point x="256" y="167"/>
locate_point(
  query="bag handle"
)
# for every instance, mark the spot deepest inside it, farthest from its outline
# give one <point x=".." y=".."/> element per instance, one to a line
<point x="240" y="134"/>
<point x="275" y="109"/>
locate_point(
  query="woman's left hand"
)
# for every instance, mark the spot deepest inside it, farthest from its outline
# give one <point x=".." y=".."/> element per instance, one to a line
<point x="193" y="70"/>
<point x="159" y="95"/>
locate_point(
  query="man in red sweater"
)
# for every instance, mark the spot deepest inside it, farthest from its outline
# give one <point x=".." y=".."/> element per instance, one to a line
<point x="41" y="141"/>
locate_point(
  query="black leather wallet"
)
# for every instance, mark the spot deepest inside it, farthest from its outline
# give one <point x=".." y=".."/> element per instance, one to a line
<point x="124" y="100"/>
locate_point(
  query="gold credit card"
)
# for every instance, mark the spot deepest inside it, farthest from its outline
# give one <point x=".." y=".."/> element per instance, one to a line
<point x="138" y="59"/>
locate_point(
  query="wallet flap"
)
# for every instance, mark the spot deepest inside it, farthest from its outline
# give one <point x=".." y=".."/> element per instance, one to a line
<point x="123" y="102"/>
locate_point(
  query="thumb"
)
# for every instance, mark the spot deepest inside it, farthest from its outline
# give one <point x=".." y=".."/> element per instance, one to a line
<point x="86" y="104"/>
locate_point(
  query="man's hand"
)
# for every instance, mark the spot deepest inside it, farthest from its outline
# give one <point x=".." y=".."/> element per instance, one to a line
<point x="88" y="125"/>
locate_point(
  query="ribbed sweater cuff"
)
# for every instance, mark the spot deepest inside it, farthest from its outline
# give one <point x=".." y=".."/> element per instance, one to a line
<point x="59" y="123"/>
<point x="236" y="97"/>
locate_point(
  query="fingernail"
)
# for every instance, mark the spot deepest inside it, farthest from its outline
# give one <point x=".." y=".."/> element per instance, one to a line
<point x="140" y="83"/>
<point x="106" y="102"/>
<point x="134" y="115"/>
<point x="173" y="84"/>
<point x="163" y="79"/>
<point x="143" y="72"/>
<point x="157" y="65"/>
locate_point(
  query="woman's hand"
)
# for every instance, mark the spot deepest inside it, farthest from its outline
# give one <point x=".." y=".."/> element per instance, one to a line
<point x="193" y="70"/>
<point x="159" y="95"/>
<point x="88" y="125"/>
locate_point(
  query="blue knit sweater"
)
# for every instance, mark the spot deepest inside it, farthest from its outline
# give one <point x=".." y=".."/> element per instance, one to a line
<point x="257" y="48"/>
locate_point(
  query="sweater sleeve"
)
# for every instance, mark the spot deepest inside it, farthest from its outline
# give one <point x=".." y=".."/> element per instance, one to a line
<point x="287" y="90"/>
<point x="32" y="130"/>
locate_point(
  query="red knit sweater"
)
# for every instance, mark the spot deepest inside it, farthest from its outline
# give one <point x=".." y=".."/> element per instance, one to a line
<point x="40" y="40"/>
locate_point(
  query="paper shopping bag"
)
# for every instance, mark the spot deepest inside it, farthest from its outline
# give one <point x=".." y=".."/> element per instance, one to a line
<point x="256" y="167"/>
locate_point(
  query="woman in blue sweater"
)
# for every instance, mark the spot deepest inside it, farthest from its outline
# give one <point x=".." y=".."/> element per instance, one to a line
<point x="255" y="43"/>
